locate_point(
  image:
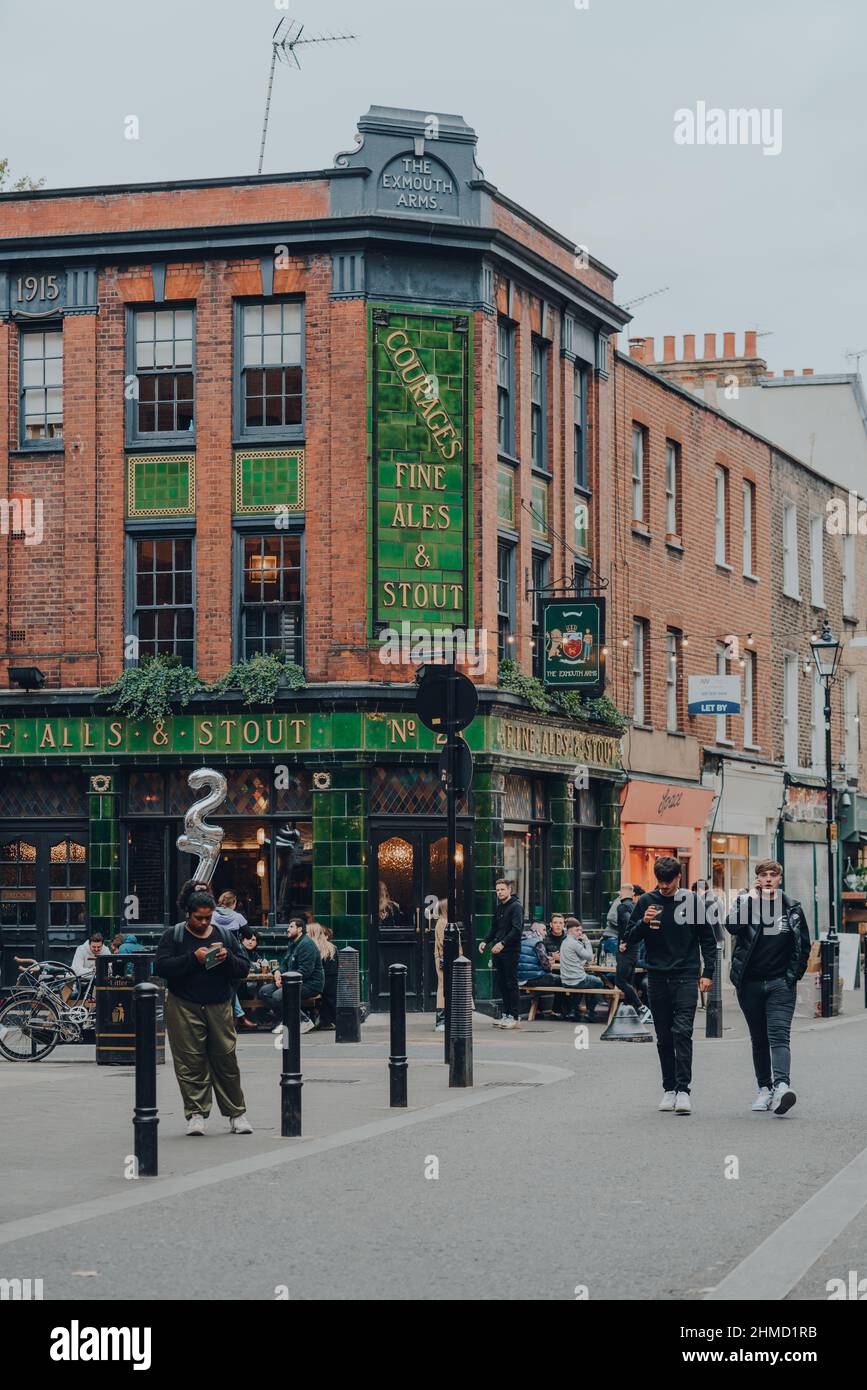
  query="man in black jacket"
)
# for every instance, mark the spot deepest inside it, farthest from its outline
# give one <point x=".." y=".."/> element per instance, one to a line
<point x="671" y="922"/>
<point x="303" y="956"/>
<point x="771" y="950"/>
<point x="504" y="938"/>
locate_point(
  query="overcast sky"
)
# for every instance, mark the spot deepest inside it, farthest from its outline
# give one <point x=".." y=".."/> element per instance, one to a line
<point x="574" y="110"/>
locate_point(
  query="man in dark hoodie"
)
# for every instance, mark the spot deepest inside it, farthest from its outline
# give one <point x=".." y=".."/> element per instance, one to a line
<point x="681" y="953"/>
<point x="504" y="939"/>
<point x="304" y="957"/>
<point x="770" y="954"/>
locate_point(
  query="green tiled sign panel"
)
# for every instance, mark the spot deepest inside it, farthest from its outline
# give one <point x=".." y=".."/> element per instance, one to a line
<point x="161" y="485"/>
<point x="419" y="515"/>
<point x="269" y="478"/>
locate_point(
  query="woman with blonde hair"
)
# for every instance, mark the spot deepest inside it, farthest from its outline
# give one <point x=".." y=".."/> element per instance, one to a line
<point x="328" y="951"/>
<point x="440" y="925"/>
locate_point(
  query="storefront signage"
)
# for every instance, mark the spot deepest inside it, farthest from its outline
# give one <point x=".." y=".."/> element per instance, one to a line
<point x="660" y="803"/>
<point x="714" y="694"/>
<point x="418" y="183"/>
<point x="282" y="734"/>
<point x="420" y="468"/>
<point x="574" y="637"/>
<point x="807" y="805"/>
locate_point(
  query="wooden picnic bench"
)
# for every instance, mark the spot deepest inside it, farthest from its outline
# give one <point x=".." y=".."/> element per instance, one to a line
<point x="613" y="993"/>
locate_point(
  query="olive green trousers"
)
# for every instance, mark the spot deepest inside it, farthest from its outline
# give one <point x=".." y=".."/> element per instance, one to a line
<point x="202" y="1040"/>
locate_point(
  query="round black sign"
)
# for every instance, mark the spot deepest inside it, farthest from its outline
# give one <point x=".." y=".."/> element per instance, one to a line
<point x="462" y="764"/>
<point x="431" y="698"/>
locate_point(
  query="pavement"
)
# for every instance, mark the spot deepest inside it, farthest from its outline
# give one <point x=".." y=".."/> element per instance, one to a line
<point x="554" y="1177"/>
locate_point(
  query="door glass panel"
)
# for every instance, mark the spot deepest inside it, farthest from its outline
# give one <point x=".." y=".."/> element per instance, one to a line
<point x="395" y="863"/>
<point x="516" y="854"/>
<point x="437" y="873"/>
<point x="17" y="883"/>
<point x="67" y="870"/>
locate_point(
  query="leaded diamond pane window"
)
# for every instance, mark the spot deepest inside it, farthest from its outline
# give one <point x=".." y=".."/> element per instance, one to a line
<point x="409" y="792"/>
<point x="518" y="799"/>
<point x="59" y="792"/>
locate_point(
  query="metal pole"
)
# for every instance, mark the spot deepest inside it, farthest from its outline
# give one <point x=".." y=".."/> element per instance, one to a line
<point x="146" y="1116"/>
<point x="267" y="105"/>
<point x="830" y="823"/>
<point x="290" y="1080"/>
<point x="461" y="1059"/>
<point x="397" y="1062"/>
<point x="714" y="1005"/>
<point x="450" y="945"/>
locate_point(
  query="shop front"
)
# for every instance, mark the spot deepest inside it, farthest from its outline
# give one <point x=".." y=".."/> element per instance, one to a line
<point x="335" y="813"/>
<point x="744" y="822"/>
<point x="804" y="853"/>
<point x="662" y="818"/>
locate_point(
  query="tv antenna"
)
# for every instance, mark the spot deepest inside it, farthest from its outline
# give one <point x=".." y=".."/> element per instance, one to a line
<point x="862" y="352"/>
<point x="283" y="46"/>
<point x="641" y="298"/>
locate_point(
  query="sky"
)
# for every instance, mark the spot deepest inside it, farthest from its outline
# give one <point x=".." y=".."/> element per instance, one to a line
<point x="574" y="103"/>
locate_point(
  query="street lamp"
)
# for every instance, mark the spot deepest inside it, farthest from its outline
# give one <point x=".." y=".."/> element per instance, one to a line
<point x="826" y="654"/>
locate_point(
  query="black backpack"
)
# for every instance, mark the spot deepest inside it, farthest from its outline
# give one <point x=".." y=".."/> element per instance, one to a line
<point x="225" y="935"/>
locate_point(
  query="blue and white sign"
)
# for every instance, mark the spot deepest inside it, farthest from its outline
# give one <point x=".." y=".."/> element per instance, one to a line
<point x="714" y="694"/>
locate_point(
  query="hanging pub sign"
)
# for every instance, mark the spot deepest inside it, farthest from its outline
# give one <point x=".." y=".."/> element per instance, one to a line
<point x="714" y="694"/>
<point x="573" y="631"/>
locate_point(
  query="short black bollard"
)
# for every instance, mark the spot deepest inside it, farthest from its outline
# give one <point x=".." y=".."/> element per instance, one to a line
<point x="290" y="1081"/>
<point x="397" y="1062"/>
<point x="451" y="951"/>
<point x="461" y="1059"/>
<point x="348" y="1021"/>
<point x="829" y="955"/>
<point x="714" y="996"/>
<point x="146" y="1116"/>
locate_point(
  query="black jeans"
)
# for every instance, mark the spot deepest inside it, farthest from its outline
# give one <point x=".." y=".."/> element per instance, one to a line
<point x="506" y="973"/>
<point x="768" y="1006"/>
<point x="624" y="978"/>
<point x="673" y="1000"/>
<point x="273" y="997"/>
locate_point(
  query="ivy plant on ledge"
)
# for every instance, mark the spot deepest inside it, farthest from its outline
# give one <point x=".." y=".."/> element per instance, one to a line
<point x="260" y="678"/>
<point x="149" y="690"/>
<point x="559" y="702"/>
<point x="160" y="683"/>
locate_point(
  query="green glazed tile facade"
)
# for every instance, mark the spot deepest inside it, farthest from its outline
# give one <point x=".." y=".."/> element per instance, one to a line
<point x="266" y="479"/>
<point x="161" y="485"/>
<point x="340" y="861"/>
<point x="104" y="902"/>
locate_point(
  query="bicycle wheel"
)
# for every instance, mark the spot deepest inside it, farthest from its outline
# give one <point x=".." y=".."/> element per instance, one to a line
<point x="29" y="1028"/>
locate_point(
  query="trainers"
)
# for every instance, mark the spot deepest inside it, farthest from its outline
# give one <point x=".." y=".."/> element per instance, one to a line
<point x="239" y="1124"/>
<point x="682" y="1104"/>
<point x="306" y="1024"/>
<point x="783" y="1098"/>
<point x="501" y="1021"/>
<point x="276" y="1031"/>
<point x="196" y="1124"/>
<point x="668" y="1099"/>
<point x="511" y="1023"/>
<point x="763" y="1099"/>
<point x="645" y="1015"/>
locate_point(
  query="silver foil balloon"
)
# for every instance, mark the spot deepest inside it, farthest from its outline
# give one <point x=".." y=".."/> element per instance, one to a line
<point x="199" y="838"/>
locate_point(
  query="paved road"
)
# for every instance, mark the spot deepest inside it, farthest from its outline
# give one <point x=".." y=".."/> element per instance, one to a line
<point x="555" y="1172"/>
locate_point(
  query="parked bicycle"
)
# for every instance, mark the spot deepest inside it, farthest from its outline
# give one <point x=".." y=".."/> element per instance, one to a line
<point x="44" y="1009"/>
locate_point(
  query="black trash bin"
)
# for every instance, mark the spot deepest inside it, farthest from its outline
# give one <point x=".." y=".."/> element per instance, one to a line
<point x="116" y="979"/>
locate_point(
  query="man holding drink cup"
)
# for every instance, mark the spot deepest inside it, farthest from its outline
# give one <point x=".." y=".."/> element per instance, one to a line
<point x="680" y="948"/>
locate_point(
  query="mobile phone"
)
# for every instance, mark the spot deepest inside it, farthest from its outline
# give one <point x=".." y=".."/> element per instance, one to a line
<point x="211" y="957"/>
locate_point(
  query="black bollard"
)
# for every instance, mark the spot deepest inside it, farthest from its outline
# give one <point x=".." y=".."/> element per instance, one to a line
<point x="461" y="1059"/>
<point x="348" y="1022"/>
<point x="397" y="1062"/>
<point x="451" y="951"/>
<point x="714" y="996"/>
<point x="146" y="1116"/>
<point x="829" y="955"/>
<point x="290" y="1081"/>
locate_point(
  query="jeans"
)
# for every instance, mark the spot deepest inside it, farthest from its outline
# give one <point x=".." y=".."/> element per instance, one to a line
<point x="625" y="981"/>
<point x="274" y="998"/>
<point x="768" y="1006"/>
<point x="673" y="1000"/>
<point x="506" y="976"/>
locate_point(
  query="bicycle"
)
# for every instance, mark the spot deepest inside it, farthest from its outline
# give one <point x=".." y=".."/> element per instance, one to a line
<point x="37" y="1016"/>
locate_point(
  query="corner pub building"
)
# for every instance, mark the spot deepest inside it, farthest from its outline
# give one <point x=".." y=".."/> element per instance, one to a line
<point x="287" y="413"/>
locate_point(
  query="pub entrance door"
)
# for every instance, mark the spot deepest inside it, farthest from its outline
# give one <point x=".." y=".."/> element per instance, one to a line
<point x="409" y="871"/>
<point x="43" y="894"/>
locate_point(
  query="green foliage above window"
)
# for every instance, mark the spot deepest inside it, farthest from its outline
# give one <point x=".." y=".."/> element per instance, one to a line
<point x="260" y="678"/>
<point x="151" y="689"/>
<point x="569" y="702"/>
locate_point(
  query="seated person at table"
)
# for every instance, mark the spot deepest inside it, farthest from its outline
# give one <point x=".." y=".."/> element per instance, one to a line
<point x="84" y="960"/>
<point x="304" y="957"/>
<point x="556" y="936"/>
<point x="249" y="989"/>
<point x="534" y="967"/>
<point x="575" y="953"/>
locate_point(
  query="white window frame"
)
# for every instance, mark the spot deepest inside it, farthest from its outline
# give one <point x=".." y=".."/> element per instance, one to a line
<point x="748" y="706"/>
<point x="852" y="729"/>
<point x="639" y="710"/>
<point x="790" y="710"/>
<point x="849" y="585"/>
<point x="672" y="720"/>
<point x="637" y="476"/>
<point x="817" y="561"/>
<point x="671" y="460"/>
<point x="791" y="578"/>
<point x="817" y="722"/>
<point x="719" y="544"/>
<point x="749" y="521"/>
<point x="722" y="720"/>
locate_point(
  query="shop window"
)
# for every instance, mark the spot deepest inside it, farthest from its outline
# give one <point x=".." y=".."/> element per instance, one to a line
<point x="33" y="793"/>
<point x="586" y="853"/>
<point x="162" y="406"/>
<point x="248" y="792"/>
<point x="145" y="794"/>
<point x="730" y="865"/>
<point x="272" y="369"/>
<point x="146" y="873"/>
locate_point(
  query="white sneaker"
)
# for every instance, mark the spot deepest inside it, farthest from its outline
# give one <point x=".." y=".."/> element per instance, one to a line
<point x="196" y="1124"/>
<point x="239" y="1124"/>
<point x="440" y="1028"/>
<point x="668" y="1099"/>
<point x="783" y="1098"/>
<point x="763" y="1099"/>
<point x="511" y="1023"/>
<point x="501" y="1021"/>
<point x="278" y="1030"/>
<point x="682" y="1103"/>
<point x="307" y="1024"/>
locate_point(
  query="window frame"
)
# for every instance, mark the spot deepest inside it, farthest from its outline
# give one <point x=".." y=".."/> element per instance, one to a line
<point x="673" y="681"/>
<point x="243" y="433"/>
<point x="749" y="709"/>
<point x="580" y="469"/>
<point x="721" y="515"/>
<point x="748" y="541"/>
<point x="539" y="457"/>
<point x="672" y="489"/>
<point x="639" y="434"/>
<point x="245" y="529"/>
<point x="851" y="724"/>
<point x="791" y="568"/>
<point x="639" y="671"/>
<point x="56" y="443"/>
<point x="509" y="548"/>
<point x="817" y="722"/>
<point x="817" y="561"/>
<point x="157" y="439"/>
<point x="721" y="733"/>
<point x="541" y="558"/>
<point x="159" y="529"/>
<point x="508" y="446"/>
<point x="849" y="577"/>
<point x="791" y="714"/>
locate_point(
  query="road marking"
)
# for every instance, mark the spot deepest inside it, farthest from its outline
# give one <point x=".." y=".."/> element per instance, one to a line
<point x="780" y="1262"/>
<point x="145" y="1190"/>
